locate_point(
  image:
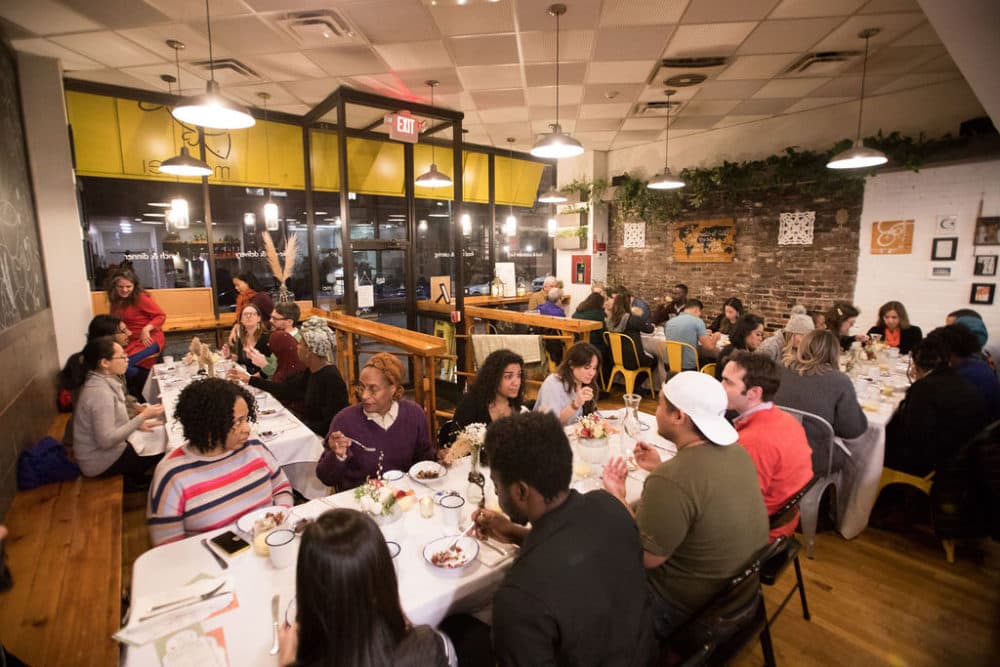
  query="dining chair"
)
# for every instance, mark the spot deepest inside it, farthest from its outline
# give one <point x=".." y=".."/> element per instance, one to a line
<point x="618" y="343"/>
<point x="820" y="435"/>
<point x="675" y="355"/>
<point x="786" y="550"/>
<point x="924" y="484"/>
<point x="709" y="369"/>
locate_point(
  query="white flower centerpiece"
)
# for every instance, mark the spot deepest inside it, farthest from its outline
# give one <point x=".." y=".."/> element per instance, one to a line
<point x="378" y="500"/>
<point x="469" y="441"/>
<point x="592" y="434"/>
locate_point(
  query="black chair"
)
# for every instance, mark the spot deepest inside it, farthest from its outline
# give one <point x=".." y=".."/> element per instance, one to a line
<point x="785" y="550"/>
<point x="730" y="622"/>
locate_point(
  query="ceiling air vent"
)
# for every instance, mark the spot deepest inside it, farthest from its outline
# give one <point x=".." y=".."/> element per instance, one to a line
<point x="655" y="108"/>
<point x="228" y="65"/>
<point x="320" y="28"/>
<point x="684" y="80"/>
<point x="700" y="62"/>
<point x="821" y="62"/>
<point x="676" y="72"/>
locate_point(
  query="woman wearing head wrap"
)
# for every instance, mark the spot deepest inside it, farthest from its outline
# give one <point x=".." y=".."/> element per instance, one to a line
<point x="382" y="421"/>
<point x="316" y="394"/>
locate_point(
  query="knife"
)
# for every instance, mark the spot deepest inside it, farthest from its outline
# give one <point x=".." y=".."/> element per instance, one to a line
<point x="274" y="624"/>
<point x="183" y="606"/>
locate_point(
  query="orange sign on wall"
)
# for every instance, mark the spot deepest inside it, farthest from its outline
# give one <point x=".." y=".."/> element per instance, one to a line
<point x="892" y="237"/>
<point x="705" y="240"/>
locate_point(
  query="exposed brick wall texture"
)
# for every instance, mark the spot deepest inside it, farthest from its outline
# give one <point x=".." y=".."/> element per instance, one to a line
<point x="768" y="278"/>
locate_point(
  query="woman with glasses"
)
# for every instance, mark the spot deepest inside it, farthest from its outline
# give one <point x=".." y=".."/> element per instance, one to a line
<point x="248" y="343"/>
<point x="144" y="320"/>
<point x="217" y="475"/>
<point x="317" y="393"/>
<point x="101" y="422"/>
<point x="382" y="431"/>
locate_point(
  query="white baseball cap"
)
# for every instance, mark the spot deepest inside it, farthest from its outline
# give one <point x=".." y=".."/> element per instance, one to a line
<point x="702" y="398"/>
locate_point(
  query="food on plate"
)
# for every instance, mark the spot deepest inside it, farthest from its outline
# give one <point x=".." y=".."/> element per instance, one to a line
<point x="405" y="499"/>
<point x="268" y="411"/>
<point x="428" y="474"/>
<point x="451" y="557"/>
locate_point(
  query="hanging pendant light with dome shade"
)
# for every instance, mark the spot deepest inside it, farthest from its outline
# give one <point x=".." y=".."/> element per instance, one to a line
<point x="182" y="164"/>
<point x="211" y="109"/>
<point x="859" y="156"/>
<point x="557" y="144"/>
<point x="433" y="178"/>
<point x="666" y="180"/>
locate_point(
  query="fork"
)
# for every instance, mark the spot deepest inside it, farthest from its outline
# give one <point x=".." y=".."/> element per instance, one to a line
<point x="192" y="598"/>
<point x="361" y="444"/>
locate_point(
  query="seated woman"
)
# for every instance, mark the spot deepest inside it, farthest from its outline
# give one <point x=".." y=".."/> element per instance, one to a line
<point x="811" y="381"/>
<point x="498" y="390"/>
<point x="629" y="320"/>
<point x="248" y="344"/>
<point x="343" y="558"/>
<point x="839" y="319"/>
<point x="316" y="394"/>
<point x="747" y="334"/>
<point x="551" y="304"/>
<point x="395" y="429"/>
<point x="143" y="319"/>
<point x="941" y="412"/>
<point x="787" y="341"/>
<point x="894" y="327"/>
<point x="572" y="390"/>
<point x="732" y="309"/>
<point x="218" y="475"/>
<point x="101" y="422"/>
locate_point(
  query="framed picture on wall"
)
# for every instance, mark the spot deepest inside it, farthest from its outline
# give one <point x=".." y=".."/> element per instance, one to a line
<point x="987" y="231"/>
<point x="946" y="225"/>
<point x="986" y="265"/>
<point x="982" y="294"/>
<point x="940" y="272"/>
<point x="944" y="248"/>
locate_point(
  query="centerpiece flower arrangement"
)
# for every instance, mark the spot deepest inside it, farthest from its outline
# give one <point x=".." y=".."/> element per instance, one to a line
<point x="469" y="441"/>
<point x="591" y="427"/>
<point x="376" y="498"/>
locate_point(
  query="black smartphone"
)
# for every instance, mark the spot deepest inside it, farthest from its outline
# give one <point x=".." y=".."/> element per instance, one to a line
<point x="230" y="542"/>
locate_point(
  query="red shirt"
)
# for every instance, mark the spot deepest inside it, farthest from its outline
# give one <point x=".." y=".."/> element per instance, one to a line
<point x="780" y="451"/>
<point x="145" y="311"/>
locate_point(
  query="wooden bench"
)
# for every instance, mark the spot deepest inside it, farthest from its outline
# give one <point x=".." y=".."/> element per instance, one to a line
<point x="64" y="550"/>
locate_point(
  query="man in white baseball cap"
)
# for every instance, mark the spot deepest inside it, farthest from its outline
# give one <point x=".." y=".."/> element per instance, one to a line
<point x="701" y="515"/>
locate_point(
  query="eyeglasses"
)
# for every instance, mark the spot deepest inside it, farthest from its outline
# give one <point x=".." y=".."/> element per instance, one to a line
<point x="241" y="421"/>
<point x="276" y="316"/>
<point x="373" y="389"/>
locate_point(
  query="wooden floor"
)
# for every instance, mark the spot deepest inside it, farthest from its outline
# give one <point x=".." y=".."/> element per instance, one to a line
<point x="884" y="598"/>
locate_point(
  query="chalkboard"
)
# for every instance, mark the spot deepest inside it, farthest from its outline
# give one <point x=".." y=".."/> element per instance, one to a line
<point x="22" y="287"/>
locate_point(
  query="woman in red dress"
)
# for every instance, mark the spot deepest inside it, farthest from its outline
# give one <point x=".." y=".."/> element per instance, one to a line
<point x="144" y="319"/>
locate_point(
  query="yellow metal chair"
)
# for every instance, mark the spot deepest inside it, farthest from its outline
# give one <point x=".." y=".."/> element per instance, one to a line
<point x="709" y="369"/>
<point x="675" y="355"/>
<point x="617" y="343"/>
<point x="446" y="330"/>
<point x="924" y="484"/>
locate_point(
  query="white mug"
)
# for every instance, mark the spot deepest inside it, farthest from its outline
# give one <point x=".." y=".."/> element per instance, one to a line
<point x="281" y="544"/>
<point x="451" y="511"/>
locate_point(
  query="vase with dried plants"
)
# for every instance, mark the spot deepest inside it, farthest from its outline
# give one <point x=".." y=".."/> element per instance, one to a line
<point x="282" y="272"/>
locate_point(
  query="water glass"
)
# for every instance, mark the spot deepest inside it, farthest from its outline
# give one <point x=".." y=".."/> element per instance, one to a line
<point x="451" y="511"/>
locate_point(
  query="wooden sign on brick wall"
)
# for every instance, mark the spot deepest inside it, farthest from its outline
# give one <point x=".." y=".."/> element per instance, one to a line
<point x="705" y="240"/>
<point x="892" y="237"/>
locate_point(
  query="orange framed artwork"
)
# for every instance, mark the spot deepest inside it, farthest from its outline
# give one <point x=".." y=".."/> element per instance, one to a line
<point x="705" y="240"/>
<point x="892" y="237"/>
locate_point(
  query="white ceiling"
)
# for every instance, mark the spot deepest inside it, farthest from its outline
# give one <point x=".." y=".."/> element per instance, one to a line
<point x="495" y="59"/>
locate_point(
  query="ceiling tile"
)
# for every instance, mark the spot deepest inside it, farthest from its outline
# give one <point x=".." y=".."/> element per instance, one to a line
<point x="597" y="124"/>
<point x="548" y="113"/>
<point x="849" y="86"/>
<point x="638" y="136"/>
<point x="629" y="71"/>
<point x="497" y="99"/>
<point x="757" y="67"/>
<point x="694" y="122"/>
<point x="729" y="90"/>
<point x="656" y="92"/>
<point x="717" y="11"/>
<point x="505" y="115"/>
<point x="249" y="95"/>
<point x="13" y="31"/>
<point x="897" y="59"/>
<point x="347" y="60"/>
<point x="595" y="138"/>
<point x="404" y="56"/>
<point x="604" y="110"/>
<point x="581" y="14"/>
<point x="295" y="109"/>
<point x="543" y="126"/>
<point x="388" y="84"/>
<point x="940" y="64"/>
<point x="540" y="47"/>
<point x="70" y="60"/>
<point x="737" y="119"/>
<point x="117" y="14"/>
<point x="766" y="107"/>
<point x="312" y="91"/>
<point x="611" y="93"/>
<point x="545" y="75"/>
<point x="879" y="6"/>
<point x="786" y="36"/>
<point x="108" y="48"/>
<point x="922" y="35"/>
<point x="700" y="107"/>
<point x="789" y="9"/>
<point x="44" y="17"/>
<point x="789" y="87"/>
<point x="714" y="39"/>
<point x="251" y="34"/>
<point x="111" y="77"/>
<point x="500" y="131"/>
<point x="154" y="38"/>
<point x="909" y="81"/>
<point x="541" y="96"/>
<point x="892" y="26"/>
<point x="490" y="77"/>
<point x="391" y="21"/>
<point x="632" y="42"/>
<point x="641" y="12"/>
<point x="809" y="103"/>
<point x="286" y="66"/>
<point x="192" y="83"/>
<point x="484" y="50"/>
<point x="475" y="19"/>
<point x="193" y="11"/>
<point x="645" y="124"/>
<point x="447" y="78"/>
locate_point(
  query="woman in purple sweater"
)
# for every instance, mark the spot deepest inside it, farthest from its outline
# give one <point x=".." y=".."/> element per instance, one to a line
<point x="396" y="429"/>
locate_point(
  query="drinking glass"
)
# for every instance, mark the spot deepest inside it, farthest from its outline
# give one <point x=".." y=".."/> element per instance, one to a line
<point x="631" y="426"/>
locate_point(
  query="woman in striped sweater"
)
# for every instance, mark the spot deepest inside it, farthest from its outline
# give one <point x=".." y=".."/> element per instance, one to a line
<point x="218" y="475"/>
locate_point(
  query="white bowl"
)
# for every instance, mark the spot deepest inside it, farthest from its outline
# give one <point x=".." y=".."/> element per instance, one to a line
<point x="464" y="556"/>
<point x="428" y="467"/>
<point x="245" y="523"/>
<point x="593" y="451"/>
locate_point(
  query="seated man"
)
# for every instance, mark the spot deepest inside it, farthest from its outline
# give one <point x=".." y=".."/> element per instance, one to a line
<point x="701" y="516"/>
<point x="689" y="328"/>
<point x="283" y="318"/>
<point x="774" y="439"/>
<point x="679" y="294"/>
<point x="577" y="593"/>
<point x="536" y="299"/>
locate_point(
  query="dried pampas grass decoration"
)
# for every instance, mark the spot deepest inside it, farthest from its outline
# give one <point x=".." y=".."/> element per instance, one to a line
<point x="281" y="273"/>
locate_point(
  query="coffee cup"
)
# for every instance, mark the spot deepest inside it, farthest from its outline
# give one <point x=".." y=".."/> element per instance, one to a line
<point x="281" y="545"/>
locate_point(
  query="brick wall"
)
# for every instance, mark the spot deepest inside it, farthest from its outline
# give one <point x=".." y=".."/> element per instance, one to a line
<point x="769" y="278"/>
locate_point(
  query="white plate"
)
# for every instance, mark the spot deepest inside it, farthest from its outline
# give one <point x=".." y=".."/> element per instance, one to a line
<point x="427" y="466"/>
<point x="469" y="551"/>
<point x="393" y="475"/>
<point x="245" y="523"/>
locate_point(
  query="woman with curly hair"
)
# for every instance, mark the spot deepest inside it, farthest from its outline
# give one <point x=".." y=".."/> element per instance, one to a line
<point x="571" y="391"/>
<point x="498" y="390"/>
<point x="395" y="428"/>
<point x="343" y="559"/>
<point x="894" y="327"/>
<point x="218" y="475"/>
<point x="144" y="320"/>
<point x="248" y="343"/>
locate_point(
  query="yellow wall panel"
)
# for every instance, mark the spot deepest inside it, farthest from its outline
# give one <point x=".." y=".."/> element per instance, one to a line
<point x="375" y="167"/>
<point x="325" y="167"/>
<point x="476" y="178"/>
<point x="517" y="181"/>
<point x="95" y="133"/>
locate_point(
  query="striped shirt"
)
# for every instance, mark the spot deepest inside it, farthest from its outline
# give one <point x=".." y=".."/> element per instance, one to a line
<point x="192" y="493"/>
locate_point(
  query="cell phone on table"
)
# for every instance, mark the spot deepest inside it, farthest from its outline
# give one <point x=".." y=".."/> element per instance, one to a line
<point x="230" y="542"/>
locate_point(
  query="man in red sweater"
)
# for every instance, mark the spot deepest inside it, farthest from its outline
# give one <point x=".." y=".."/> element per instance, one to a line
<point x="774" y="439"/>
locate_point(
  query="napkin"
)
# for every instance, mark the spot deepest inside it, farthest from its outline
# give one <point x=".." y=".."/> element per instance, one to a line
<point x="137" y="632"/>
<point x="491" y="557"/>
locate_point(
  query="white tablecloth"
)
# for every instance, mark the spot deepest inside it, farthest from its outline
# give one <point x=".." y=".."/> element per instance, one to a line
<point x="295" y="446"/>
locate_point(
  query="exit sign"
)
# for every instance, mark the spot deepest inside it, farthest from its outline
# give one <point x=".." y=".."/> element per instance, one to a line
<point x="404" y="127"/>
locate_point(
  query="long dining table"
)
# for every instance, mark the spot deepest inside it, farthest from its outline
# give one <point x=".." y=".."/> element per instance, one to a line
<point x="237" y="629"/>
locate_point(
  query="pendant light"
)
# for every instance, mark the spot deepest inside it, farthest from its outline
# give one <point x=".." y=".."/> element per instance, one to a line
<point x="556" y="144"/>
<point x="858" y="156"/>
<point x="178" y="214"/>
<point x="433" y="178"/>
<point x="510" y="225"/>
<point x="553" y="196"/>
<point x="271" y="217"/>
<point x="211" y="109"/>
<point x="666" y="180"/>
<point x="466" y="224"/>
<point x="553" y="227"/>
<point x="182" y="164"/>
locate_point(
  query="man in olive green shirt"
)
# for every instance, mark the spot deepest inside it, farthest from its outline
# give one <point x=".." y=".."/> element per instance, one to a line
<point x="701" y="515"/>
